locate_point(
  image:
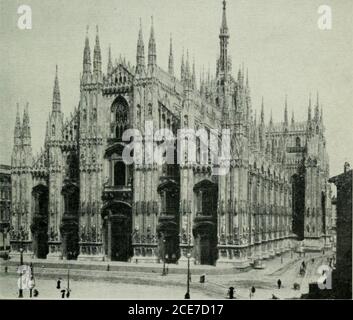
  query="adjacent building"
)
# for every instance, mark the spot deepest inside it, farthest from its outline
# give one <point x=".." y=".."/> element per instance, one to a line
<point x="5" y="207"/>
<point x="342" y="275"/>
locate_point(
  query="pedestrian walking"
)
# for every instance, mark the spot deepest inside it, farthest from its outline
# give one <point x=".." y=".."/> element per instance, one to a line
<point x="63" y="293"/>
<point x="31" y="285"/>
<point x="58" y="284"/>
<point x="252" y="292"/>
<point x="279" y="283"/>
<point x="231" y="293"/>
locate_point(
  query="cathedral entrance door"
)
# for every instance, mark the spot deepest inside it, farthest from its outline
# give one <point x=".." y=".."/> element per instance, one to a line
<point x="168" y="245"/>
<point x="205" y="222"/>
<point x="205" y="242"/>
<point x="39" y="226"/>
<point x="120" y="238"/>
<point x="70" y="239"/>
<point x="69" y="224"/>
<point x="117" y="231"/>
<point x="206" y="256"/>
<point x="168" y="221"/>
<point x="40" y="240"/>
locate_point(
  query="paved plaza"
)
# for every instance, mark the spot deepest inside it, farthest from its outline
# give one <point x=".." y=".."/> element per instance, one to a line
<point x="147" y="281"/>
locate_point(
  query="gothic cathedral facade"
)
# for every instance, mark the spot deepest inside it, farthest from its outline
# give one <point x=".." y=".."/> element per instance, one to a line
<point x="78" y="199"/>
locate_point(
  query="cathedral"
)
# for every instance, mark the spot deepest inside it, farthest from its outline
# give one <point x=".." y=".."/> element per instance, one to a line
<point x="78" y="198"/>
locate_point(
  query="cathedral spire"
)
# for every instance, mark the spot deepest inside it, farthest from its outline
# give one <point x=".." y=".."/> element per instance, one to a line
<point x="262" y="111"/>
<point x="86" y="60"/>
<point x="317" y="106"/>
<point x="309" y="108"/>
<point x="182" y="68"/>
<point x="56" y="93"/>
<point x="17" y="131"/>
<point x="271" y="119"/>
<point x="171" y="58"/>
<point x="286" y="111"/>
<point x="26" y="129"/>
<point x="193" y="74"/>
<point x="110" y="64"/>
<point x="140" y="53"/>
<point x="223" y="38"/>
<point x="152" y="54"/>
<point x="292" y="121"/>
<point x="187" y="65"/>
<point x="97" y="58"/>
<point x="247" y="78"/>
<point x="224" y="27"/>
<point x="46" y="139"/>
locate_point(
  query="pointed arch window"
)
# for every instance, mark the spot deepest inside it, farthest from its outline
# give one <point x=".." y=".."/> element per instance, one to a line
<point x="138" y="115"/>
<point x="121" y="116"/>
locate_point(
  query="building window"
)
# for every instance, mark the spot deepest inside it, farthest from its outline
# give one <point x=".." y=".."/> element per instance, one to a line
<point x="138" y="116"/>
<point x="297" y="142"/>
<point x="121" y="119"/>
<point x="119" y="174"/>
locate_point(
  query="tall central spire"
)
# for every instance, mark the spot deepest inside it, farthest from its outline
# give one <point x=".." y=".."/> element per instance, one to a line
<point x="224" y="28"/>
<point x="224" y="37"/>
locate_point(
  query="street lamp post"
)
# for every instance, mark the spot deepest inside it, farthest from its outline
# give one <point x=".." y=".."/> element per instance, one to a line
<point x="187" y="294"/>
<point x="20" y="289"/>
<point x="68" y="280"/>
<point x="164" y="256"/>
<point x="21" y="256"/>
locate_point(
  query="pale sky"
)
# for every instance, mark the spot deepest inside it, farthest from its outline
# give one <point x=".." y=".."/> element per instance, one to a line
<point x="278" y="40"/>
